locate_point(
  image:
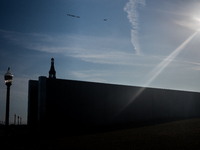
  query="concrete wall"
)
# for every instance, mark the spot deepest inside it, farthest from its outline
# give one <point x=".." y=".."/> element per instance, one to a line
<point x="77" y="103"/>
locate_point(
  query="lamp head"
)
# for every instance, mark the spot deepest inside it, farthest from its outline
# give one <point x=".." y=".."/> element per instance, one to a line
<point x="8" y="77"/>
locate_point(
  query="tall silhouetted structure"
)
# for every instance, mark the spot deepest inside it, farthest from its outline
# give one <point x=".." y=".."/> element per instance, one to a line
<point x="80" y="104"/>
<point x="52" y="72"/>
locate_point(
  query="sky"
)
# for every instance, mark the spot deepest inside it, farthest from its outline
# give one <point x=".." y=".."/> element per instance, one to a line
<point x="148" y="43"/>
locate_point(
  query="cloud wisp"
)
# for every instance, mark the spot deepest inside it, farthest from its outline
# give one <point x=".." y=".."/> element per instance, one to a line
<point x="91" y="75"/>
<point x="133" y="17"/>
<point x="77" y="47"/>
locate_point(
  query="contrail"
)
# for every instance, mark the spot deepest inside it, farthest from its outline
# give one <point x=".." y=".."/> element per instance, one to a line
<point x="131" y="9"/>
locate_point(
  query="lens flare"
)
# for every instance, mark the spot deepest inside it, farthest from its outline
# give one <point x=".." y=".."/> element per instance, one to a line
<point x="159" y="69"/>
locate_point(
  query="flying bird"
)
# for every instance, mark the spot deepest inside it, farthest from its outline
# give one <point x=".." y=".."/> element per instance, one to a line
<point x="105" y="19"/>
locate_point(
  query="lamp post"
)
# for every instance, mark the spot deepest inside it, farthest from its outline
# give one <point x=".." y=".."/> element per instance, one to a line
<point x="18" y="120"/>
<point x="14" y="119"/>
<point x="8" y="77"/>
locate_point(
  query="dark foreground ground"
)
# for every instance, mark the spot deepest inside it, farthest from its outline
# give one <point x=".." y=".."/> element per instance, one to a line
<point x="184" y="134"/>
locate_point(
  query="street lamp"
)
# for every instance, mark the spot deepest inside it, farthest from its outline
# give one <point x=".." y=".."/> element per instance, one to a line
<point x="8" y="77"/>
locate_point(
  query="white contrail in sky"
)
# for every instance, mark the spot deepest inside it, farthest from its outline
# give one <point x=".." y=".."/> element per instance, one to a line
<point x="131" y="9"/>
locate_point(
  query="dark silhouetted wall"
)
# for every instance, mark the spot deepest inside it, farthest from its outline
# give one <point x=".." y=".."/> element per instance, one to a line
<point x="87" y="104"/>
<point x="32" y="103"/>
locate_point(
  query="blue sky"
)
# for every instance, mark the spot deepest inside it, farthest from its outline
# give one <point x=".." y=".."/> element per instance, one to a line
<point x="153" y="43"/>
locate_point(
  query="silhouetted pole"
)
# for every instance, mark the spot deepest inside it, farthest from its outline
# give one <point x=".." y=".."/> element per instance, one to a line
<point x="8" y="77"/>
<point x="14" y="119"/>
<point x="18" y="120"/>
<point x="7" y="103"/>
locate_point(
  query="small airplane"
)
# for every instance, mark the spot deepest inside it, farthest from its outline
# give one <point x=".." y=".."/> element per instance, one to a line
<point x="73" y="16"/>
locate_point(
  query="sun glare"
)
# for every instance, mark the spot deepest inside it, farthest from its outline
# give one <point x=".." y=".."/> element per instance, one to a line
<point x="197" y="22"/>
<point x="153" y="75"/>
<point x="196" y="18"/>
